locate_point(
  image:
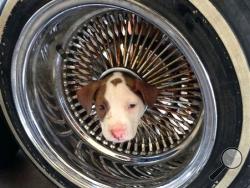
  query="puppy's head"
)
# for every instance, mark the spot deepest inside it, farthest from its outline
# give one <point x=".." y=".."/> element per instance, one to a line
<point x="120" y="103"/>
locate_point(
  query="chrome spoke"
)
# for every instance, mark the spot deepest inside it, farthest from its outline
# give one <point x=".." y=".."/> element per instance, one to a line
<point x="123" y="42"/>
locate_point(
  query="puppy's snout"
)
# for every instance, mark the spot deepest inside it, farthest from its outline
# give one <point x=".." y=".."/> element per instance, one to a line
<point x="118" y="131"/>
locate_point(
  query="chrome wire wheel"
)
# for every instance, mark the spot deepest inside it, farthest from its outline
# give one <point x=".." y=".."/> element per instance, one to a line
<point x="76" y="42"/>
<point x="123" y="41"/>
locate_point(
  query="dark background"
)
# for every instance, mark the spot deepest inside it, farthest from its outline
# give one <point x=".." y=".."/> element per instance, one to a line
<point x="23" y="174"/>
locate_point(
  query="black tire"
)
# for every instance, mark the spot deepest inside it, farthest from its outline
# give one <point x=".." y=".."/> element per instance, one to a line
<point x="8" y="145"/>
<point x="237" y="13"/>
<point x="229" y="88"/>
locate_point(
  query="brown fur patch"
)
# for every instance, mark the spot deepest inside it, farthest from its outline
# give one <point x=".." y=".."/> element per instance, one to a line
<point x="146" y="92"/>
<point x="129" y="81"/>
<point x="116" y="81"/>
<point x="101" y="104"/>
<point x="86" y="95"/>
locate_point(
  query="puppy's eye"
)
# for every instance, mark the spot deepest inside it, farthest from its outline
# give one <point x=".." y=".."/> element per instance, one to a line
<point x="101" y="107"/>
<point x="131" y="106"/>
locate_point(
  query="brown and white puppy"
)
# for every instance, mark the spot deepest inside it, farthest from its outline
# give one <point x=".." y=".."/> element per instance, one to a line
<point x="120" y="103"/>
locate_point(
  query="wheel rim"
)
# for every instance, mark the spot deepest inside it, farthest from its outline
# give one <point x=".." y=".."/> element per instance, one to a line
<point x="160" y="55"/>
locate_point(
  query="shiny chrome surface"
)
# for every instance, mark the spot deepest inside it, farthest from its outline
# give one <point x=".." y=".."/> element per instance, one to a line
<point x="2" y="3"/>
<point x="123" y="41"/>
<point x="69" y="43"/>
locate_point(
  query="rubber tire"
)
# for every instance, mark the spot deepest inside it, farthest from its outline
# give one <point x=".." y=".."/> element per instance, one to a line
<point x="181" y="14"/>
<point x="8" y="145"/>
<point x="237" y="13"/>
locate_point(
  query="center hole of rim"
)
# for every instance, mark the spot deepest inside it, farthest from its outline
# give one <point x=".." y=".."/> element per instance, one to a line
<point x="119" y="69"/>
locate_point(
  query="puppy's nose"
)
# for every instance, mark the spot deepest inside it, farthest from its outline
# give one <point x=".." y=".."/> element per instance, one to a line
<point x="118" y="132"/>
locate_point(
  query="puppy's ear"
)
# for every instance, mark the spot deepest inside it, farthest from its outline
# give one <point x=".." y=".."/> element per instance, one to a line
<point x="148" y="92"/>
<point x="86" y="95"/>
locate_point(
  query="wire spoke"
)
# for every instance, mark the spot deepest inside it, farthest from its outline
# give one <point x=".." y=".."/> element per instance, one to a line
<point x="123" y="39"/>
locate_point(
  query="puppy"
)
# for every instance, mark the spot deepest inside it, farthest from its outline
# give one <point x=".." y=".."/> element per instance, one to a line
<point x="120" y="102"/>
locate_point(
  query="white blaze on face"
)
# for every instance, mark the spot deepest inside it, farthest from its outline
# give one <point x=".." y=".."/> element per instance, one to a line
<point x="125" y="111"/>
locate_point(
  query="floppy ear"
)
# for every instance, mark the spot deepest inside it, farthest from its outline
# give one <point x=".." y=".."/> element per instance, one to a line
<point x="149" y="93"/>
<point x="86" y="95"/>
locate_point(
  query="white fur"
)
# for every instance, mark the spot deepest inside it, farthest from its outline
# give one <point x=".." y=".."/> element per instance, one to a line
<point x="119" y="97"/>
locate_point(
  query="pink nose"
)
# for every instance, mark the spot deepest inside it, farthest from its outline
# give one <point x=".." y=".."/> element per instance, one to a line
<point x="118" y="132"/>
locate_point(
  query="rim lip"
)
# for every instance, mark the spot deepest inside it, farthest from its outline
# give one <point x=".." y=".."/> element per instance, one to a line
<point x="135" y="7"/>
<point x="119" y="69"/>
